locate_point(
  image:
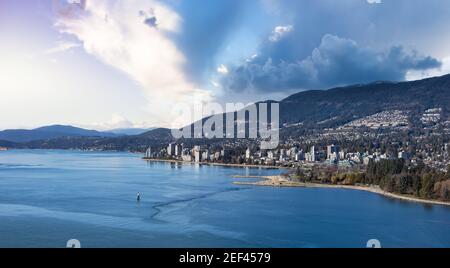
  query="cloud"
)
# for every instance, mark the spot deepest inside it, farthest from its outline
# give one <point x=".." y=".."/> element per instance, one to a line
<point x="152" y="22"/>
<point x="116" y="121"/>
<point x="214" y="83"/>
<point x="149" y="18"/>
<point x="374" y="1"/>
<point x="422" y="74"/>
<point x="279" y="32"/>
<point x="118" y="33"/>
<point x="69" y="8"/>
<point x="222" y="69"/>
<point x="61" y="47"/>
<point x="207" y="28"/>
<point x="336" y="61"/>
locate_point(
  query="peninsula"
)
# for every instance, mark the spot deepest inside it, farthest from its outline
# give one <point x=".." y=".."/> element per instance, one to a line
<point x="283" y="181"/>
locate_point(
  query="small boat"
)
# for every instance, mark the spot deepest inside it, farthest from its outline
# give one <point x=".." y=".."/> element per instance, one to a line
<point x="3" y="149"/>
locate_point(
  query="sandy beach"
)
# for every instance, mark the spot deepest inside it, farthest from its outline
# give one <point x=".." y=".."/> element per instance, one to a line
<point x="281" y="181"/>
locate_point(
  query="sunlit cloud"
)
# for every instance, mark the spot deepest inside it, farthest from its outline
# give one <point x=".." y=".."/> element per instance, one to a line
<point x="61" y="47"/>
<point x="222" y="69"/>
<point x="118" y="34"/>
<point x="279" y="32"/>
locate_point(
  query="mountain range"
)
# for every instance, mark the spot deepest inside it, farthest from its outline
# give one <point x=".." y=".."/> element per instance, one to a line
<point x="49" y="132"/>
<point x="60" y="131"/>
<point x="313" y="110"/>
<point x="343" y="104"/>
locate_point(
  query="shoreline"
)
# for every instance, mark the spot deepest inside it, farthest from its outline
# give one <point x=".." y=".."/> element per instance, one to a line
<point x="280" y="181"/>
<point x="212" y="163"/>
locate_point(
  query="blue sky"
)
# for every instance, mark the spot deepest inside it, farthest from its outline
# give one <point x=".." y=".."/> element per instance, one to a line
<point x="108" y="63"/>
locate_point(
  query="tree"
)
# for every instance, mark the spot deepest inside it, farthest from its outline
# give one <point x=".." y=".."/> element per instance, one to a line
<point x="427" y="186"/>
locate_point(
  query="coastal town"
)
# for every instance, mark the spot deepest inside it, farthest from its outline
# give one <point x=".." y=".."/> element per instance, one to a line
<point x="223" y="133"/>
<point x="388" y="152"/>
<point x="295" y="156"/>
<point x="387" y="135"/>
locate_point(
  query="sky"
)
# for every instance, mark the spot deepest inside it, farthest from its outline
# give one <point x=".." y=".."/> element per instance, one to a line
<point x="105" y="64"/>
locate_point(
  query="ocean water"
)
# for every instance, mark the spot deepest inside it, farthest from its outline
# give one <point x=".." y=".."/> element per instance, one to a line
<point x="49" y="197"/>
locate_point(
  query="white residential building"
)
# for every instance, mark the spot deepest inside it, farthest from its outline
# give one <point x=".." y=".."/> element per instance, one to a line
<point x="148" y="153"/>
<point x="171" y="149"/>
<point x="248" y="153"/>
<point x="178" y="150"/>
<point x="333" y="152"/>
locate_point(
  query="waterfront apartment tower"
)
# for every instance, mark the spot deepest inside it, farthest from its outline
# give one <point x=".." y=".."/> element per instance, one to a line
<point x="148" y="153"/>
<point x="248" y="153"/>
<point x="197" y="156"/>
<point x="171" y="149"/>
<point x="333" y="152"/>
<point x="313" y="154"/>
<point x="178" y="150"/>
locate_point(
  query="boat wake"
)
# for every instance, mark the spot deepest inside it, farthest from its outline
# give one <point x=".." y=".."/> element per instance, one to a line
<point x="158" y="207"/>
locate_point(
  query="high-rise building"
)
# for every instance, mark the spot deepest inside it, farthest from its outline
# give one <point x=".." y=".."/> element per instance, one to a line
<point x="224" y="153"/>
<point x="333" y="152"/>
<point x="299" y="156"/>
<point x="293" y="152"/>
<point x="148" y="153"/>
<point x="313" y="154"/>
<point x="178" y="150"/>
<point x="205" y="155"/>
<point x="262" y="153"/>
<point x="248" y="153"/>
<point x="197" y="156"/>
<point x="171" y="149"/>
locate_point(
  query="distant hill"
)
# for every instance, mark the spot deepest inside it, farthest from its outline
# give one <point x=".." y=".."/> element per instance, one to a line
<point x="7" y="144"/>
<point x="156" y="137"/>
<point x="49" y="132"/>
<point x="129" y="131"/>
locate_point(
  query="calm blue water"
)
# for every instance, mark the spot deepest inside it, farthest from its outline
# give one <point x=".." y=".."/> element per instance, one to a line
<point x="49" y="197"/>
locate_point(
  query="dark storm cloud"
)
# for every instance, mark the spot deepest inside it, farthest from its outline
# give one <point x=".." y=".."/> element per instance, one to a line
<point x="336" y="61"/>
<point x="385" y="33"/>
